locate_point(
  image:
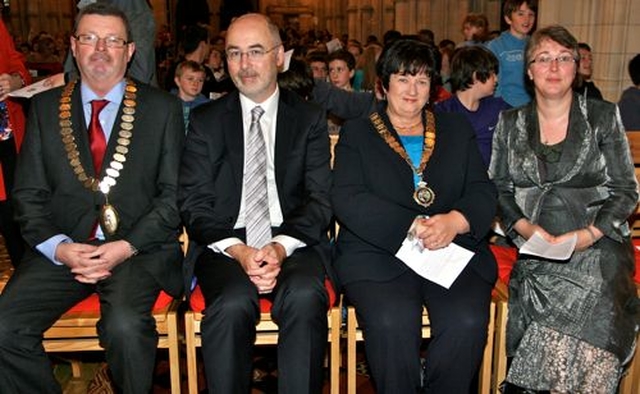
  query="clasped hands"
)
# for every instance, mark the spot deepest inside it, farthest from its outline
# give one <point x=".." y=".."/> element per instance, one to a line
<point x="261" y="265"/>
<point x="438" y="231"/>
<point x="585" y="236"/>
<point x="93" y="263"/>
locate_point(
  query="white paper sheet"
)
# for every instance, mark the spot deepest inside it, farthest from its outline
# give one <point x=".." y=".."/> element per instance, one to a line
<point x="538" y="246"/>
<point x="33" y="89"/>
<point x="440" y="266"/>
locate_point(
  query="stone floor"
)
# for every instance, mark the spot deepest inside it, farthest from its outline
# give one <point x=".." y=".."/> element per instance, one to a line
<point x="93" y="366"/>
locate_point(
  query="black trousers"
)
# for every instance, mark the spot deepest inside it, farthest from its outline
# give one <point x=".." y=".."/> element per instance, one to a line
<point x="39" y="292"/>
<point x="390" y="314"/>
<point x="299" y="308"/>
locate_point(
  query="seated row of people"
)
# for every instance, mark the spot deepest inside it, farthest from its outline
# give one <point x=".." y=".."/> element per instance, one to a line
<point x="252" y="184"/>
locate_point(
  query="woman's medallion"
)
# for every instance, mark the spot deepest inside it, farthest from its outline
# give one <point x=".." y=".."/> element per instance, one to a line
<point x="424" y="195"/>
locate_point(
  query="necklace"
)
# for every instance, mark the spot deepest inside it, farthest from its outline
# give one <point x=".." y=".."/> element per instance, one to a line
<point x="109" y="217"/>
<point x="423" y="194"/>
<point x="406" y="128"/>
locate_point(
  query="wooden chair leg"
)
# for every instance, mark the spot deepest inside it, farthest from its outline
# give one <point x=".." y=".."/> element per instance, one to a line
<point x="335" y="316"/>
<point x="499" y="350"/>
<point x="190" y="341"/>
<point x="174" y="353"/>
<point x="351" y="350"/>
<point x="484" y="379"/>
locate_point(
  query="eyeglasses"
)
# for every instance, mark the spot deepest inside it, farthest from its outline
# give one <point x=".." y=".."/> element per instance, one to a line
<point x="545" y="59"/>
<point x="253" y="54"/>
<point x="109" y="41"/>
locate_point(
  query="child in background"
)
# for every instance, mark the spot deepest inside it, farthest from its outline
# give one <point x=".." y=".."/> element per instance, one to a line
<point x="475" y="29"/>
<point x="342" y="67"/>
<point x="473" y="79"/>
<point x="189" y="78"/>
<point x="509" y="49"/>
<point x="317" y="61"/>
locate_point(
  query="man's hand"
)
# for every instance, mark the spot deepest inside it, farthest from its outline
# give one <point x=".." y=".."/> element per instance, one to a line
<point x="261" y="265"/>
<point x="91" y="263"/>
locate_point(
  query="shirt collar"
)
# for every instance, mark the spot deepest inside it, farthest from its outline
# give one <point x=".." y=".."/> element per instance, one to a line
<point x="269" y="105"/>
<point x="114" y="95"/>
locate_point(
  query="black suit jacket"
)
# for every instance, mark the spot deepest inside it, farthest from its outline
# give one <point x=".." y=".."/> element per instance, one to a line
<point x="51" y="200"/>
<point x="211" y="174"/>
<point x="372" y="196"/>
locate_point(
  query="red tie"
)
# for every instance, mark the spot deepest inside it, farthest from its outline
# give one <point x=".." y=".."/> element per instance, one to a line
<point x="97" y="140"/>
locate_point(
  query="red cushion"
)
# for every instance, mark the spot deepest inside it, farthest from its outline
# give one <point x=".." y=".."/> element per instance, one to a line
<point x="92" y="303"/>
<point x="506" y="257"/>
<point x="196" y="301"/>
<point x="636" y="250"/>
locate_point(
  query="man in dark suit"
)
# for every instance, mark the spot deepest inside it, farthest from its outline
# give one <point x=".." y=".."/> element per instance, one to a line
<point x="219" y="183"/>
<point x="62" y="193"/>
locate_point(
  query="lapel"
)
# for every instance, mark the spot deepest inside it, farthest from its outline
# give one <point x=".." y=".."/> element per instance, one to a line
<point x="232" y="128"/>
<point x="575" y="144"/>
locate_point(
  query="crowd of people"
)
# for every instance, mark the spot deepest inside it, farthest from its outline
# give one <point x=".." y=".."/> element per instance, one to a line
<point x="436" y="142"/>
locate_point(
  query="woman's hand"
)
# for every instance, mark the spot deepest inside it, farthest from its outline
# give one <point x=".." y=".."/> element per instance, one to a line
<point x="438" y="231"/>
<point x="586" y="237"/>
<point x="526" y="229"/>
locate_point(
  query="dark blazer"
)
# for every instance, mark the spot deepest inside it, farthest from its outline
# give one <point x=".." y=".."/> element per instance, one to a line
<point x="211" y="174"/>
<point x="51" y="200"/>
<point x="372" y="197"/>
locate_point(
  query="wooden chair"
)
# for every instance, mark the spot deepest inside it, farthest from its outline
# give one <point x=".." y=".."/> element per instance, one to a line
<point x="354" y="334"/>
<point x="630" y="384"/>
<point x="75" y="331"/>
<point x="266" y="334"/>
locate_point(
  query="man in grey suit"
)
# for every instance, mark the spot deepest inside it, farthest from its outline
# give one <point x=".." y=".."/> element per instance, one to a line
<point x="224" y="196"/>
<point x="95" y="197"/>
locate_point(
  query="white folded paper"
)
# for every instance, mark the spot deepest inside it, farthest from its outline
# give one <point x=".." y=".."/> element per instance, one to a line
<point x="441" y="266"/>
<point x="33" y="89"/>
<point x="538" y="246"/>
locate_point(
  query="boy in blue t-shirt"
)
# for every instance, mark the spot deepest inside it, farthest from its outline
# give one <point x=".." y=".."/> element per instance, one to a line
<point x="189" y="78"/>
<point x="509" y="49"/>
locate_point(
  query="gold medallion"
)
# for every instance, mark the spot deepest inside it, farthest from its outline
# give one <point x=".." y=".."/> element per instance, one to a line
<point x="424" y="195"/>
<point x="109" y="219"/>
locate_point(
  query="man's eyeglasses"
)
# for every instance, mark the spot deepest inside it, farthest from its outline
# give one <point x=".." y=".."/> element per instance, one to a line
<point x="109" y="41"/>
<point x="253" y="54"/>
<point x="545" y="59"/>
